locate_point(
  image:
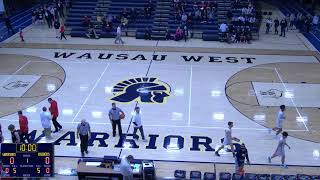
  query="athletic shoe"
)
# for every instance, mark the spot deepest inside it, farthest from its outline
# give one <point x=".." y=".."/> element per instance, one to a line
<point x="269" y="159"/>
<point x="284" y="166"/>
<point x="217" y="154"/>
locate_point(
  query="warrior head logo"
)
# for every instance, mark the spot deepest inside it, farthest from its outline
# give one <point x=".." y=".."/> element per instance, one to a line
<point x="272" y="93"/>
<point x="15" y="85"/>
<point x="144" y="90"/>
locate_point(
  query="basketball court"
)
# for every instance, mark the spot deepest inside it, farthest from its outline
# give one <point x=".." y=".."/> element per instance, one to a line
<point x="186" y="100"/>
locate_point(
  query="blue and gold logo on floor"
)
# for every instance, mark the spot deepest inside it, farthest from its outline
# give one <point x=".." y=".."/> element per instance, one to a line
<point x="143" y="90"/>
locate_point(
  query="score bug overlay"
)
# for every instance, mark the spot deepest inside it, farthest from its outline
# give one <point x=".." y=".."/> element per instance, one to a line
<point x="27" y="160"/>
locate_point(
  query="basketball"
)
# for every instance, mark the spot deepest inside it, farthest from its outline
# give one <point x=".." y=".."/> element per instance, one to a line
<point x="122" y="115"/>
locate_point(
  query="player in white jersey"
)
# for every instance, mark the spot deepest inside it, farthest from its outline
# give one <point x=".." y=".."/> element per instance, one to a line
<point x="280" y="151"/>
<point x="228" y="139"/>
<point x="280" y="119"/>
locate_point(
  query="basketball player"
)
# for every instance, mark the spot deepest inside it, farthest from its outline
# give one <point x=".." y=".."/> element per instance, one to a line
<point x="241" y="156"/>
<point x="228" y="139"/>
<point x="280" y="150"/>
<point x="279" y="122"/>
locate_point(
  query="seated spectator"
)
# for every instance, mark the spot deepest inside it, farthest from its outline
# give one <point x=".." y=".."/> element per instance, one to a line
<point x="133" y="14"/>
<point x="86" y="21"/>
<point x="223" y="29"/>
<point x="99" y="19"/>
<point x="229" y="14"/>
<point x="179" y="34"/>
<point x="197" y="14"/>
<point x="110" y="18"/>
<point x="124" y="13"/>
<point x="148" y="9"/>
<point x="168" y="35"/>
<point x="91" y="30"/>
<point x="124" y="23"/>
<point x="211" y="16"/>
<point x="147" y="33"/>
<point x="184" y="18"/>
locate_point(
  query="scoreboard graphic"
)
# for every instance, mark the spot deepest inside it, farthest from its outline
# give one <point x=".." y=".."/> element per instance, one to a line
<point x="27" y="160"/>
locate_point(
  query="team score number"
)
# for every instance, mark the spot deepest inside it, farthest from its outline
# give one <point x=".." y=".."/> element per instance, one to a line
<point x="47" y="170"/>
<point x="7" y="170"/>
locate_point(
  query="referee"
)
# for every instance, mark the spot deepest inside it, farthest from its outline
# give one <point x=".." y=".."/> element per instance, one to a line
<point x="84" y="131"/>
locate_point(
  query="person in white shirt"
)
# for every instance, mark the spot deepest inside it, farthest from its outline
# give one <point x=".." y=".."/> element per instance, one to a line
<point x="118" y="37"/>
<point x="125" y="167"/>
<point x="223" y="27"/>
<point x="315" y="21"/>
<point x="280" y="151"/>
<point x="228" y="139"/>
<point x="279" y="121"/>
<point x="45" y="117"/>
<point x="137" y="124"/>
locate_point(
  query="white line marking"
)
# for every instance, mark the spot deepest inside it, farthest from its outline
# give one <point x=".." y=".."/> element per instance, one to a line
<point x="24" y="65"/>
<point x="159" y="125"/>
<point x="190" y="94"/>
<point x="89" y="95"/>
<point x="294" y="104"/>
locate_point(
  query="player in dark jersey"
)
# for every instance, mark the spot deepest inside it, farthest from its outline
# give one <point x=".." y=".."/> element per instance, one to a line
<point x="241" y="155"/>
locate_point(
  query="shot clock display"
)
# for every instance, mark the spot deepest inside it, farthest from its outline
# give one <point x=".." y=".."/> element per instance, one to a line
<point x="27" y="160"/>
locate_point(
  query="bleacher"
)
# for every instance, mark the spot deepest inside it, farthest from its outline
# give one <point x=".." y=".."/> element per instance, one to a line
<point x="162" y="18"/>
<point x="288" y="7"/>
<point x="198" y="28"/>
<point x="79" y="9"/>
<point x="19" y="20"/>
<point x="94" y="8"/>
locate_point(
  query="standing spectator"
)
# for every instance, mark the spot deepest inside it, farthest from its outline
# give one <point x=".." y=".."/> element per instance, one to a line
<point x="60" y="9"/>
<point x="280" y="151"/>
<point x="147" y="34"/>
<point x="268" y="25"/>
<point x="34" y="16"/>
<point x="137" y="124"/>
<point x="23" y="122"/>
<point x="241" y="156"/>
<point x="8" y="25"/>
<point x="223" y="29"/>
<point x="56" y="27"/>
<point x="287" y="20"/>
<point x="21" y="35"/>
<point x="83" y="130"/>
<point x="45" y="118"/>
<point x="315" y="21"/>
<point x="62" y="30"/>
<point x="292" y="18"/>
<point x="54" y="113"/>
<point x="228" y="139"/>
<point x="185" y="33"/>
<point x="118" y="37"/>
<point x="1" y="135"/>
<point x="15" y="134"/>
<point x="283" y="26"/>
<point x="125" y="167"/>
<point x="114" y="116"/>
<point x="276" y="25"/>
<point x="48" y="17"/>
